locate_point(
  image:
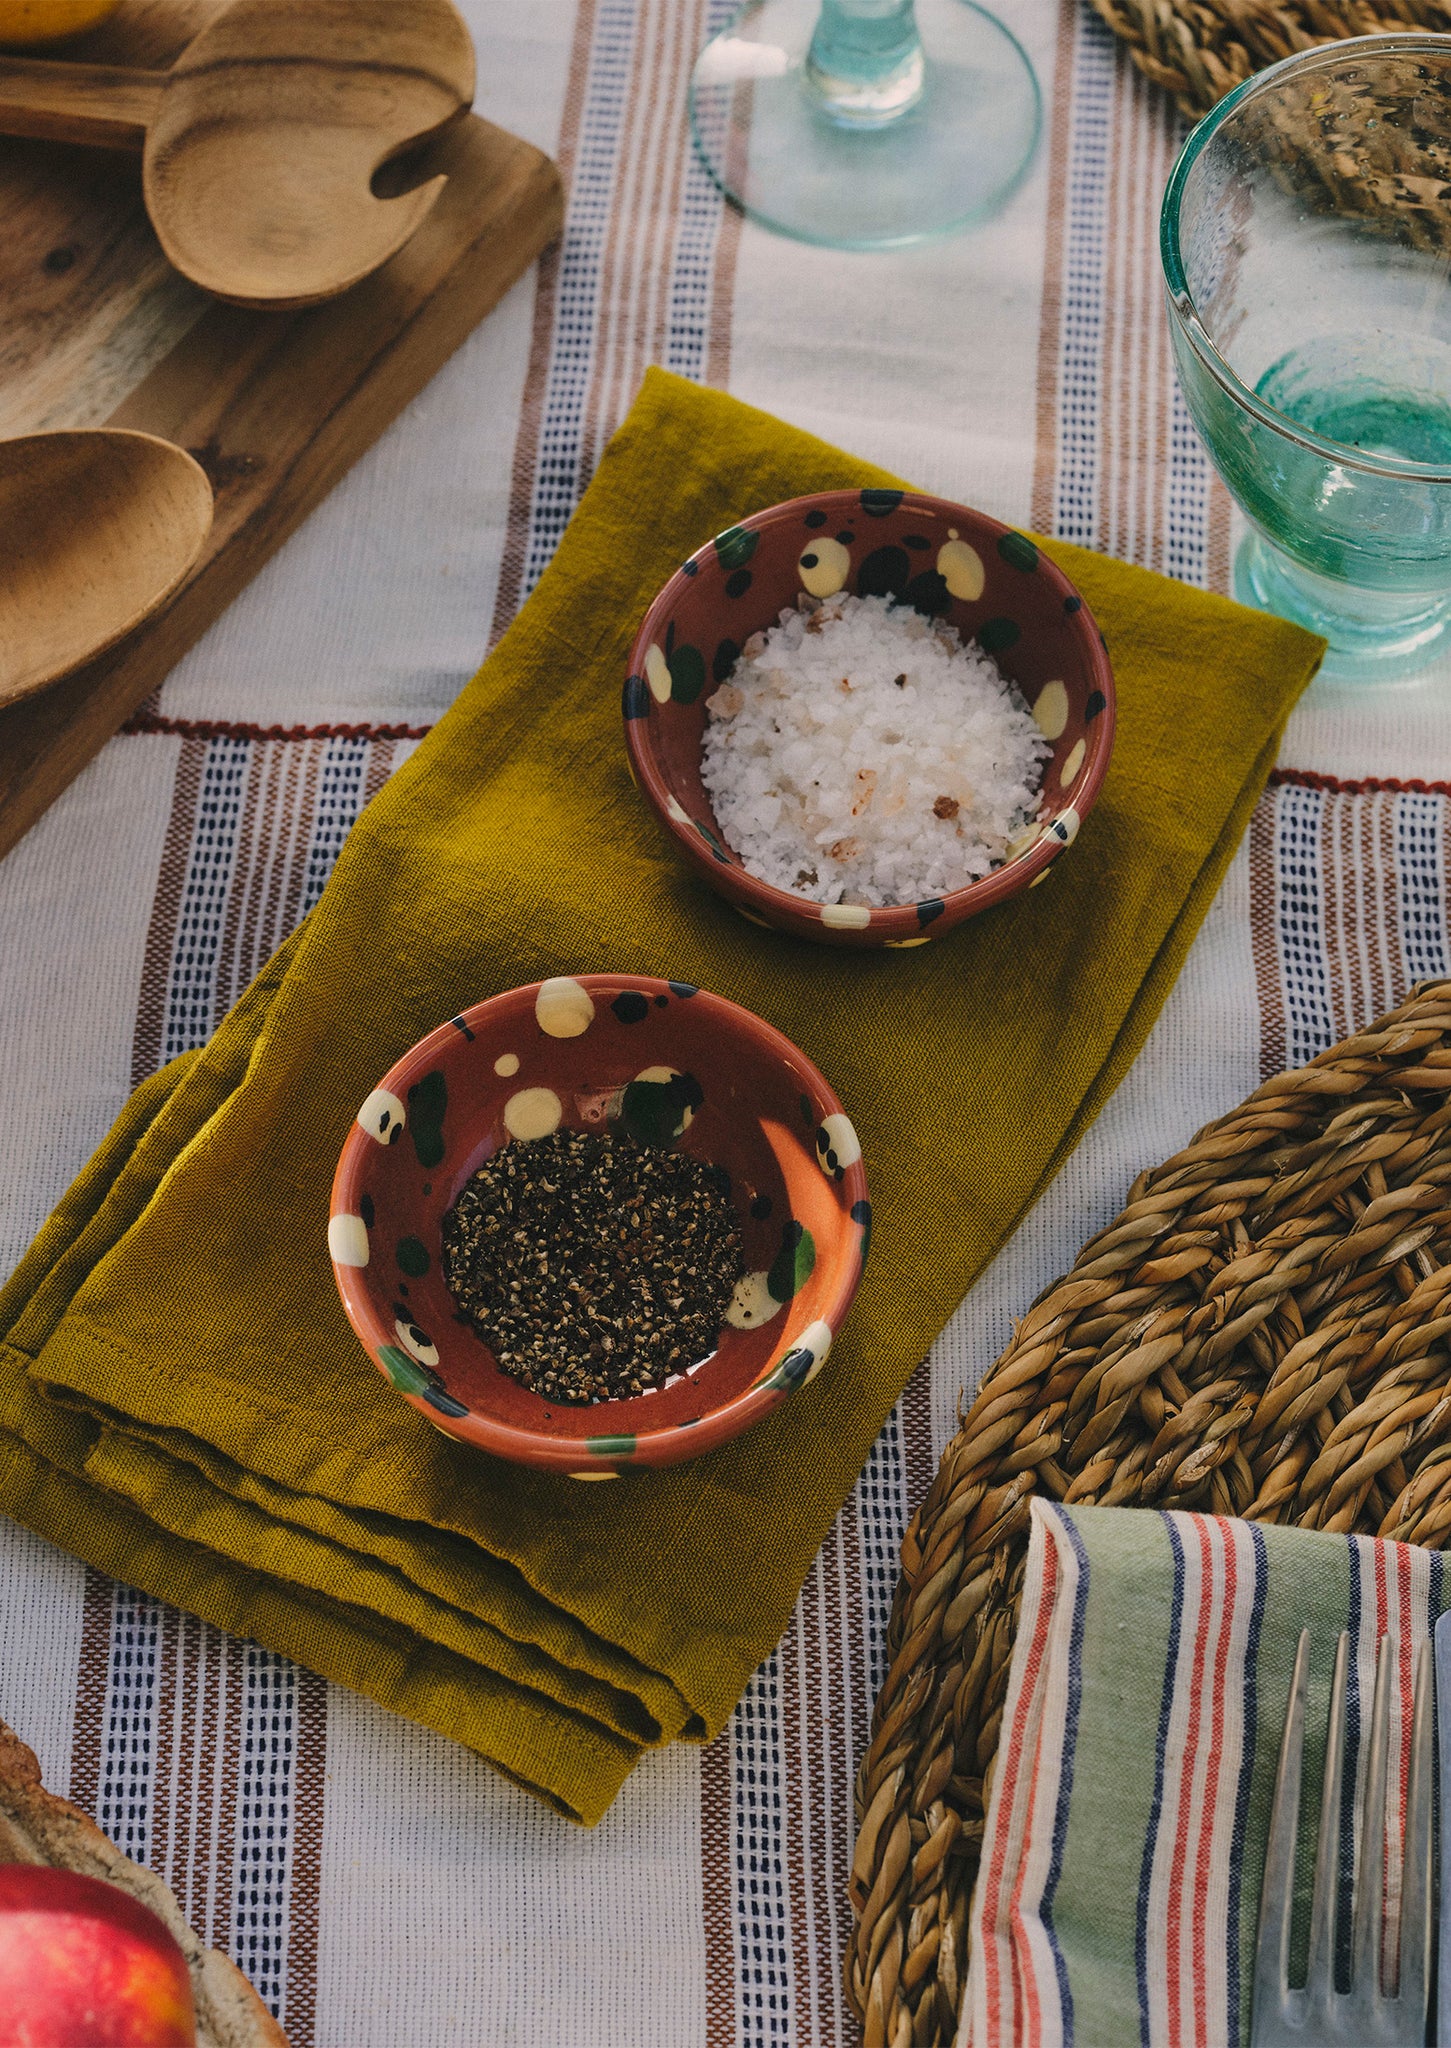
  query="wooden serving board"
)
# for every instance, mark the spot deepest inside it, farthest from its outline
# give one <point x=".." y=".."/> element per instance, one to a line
<point x="97" y="330"/>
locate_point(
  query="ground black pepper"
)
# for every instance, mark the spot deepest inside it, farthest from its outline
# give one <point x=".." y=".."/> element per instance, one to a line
<point x="593" y="1267"/>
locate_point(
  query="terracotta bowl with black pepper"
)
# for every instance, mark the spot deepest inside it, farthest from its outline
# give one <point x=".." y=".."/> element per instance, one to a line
<point x="938" y="564"/>
<point x="599" y="1223"/>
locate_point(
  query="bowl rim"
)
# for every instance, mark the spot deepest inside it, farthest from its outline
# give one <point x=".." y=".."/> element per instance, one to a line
<point x="1010" y="879"/>
<point x="1184" y="312"/>
<point x="564" y="1454"/>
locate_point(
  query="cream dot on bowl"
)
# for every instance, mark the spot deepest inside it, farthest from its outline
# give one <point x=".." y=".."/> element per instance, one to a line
<point x="1050" y="709"/>
<point x="752" y="1303"/>
<point x="416" y="1342"/>
<point x="961" y="569"/>
<point x="593" y="1475"/>
<point x="347" y="1240"/>
<point x="657" y="674"/>
<point x="846" y="917"/>
<point x="533" y="1113"/>
<point x="382" y="1116"/>
<point x="563" y="1007"/>
<point x="1072" y="765"/>
<point x="823" y="568"/>
<point x="837" y="1144"/>
<point x="507" y="1064"/>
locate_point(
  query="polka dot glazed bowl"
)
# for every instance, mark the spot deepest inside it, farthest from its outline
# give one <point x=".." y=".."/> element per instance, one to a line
<point x="659" y="1061"/>
<point x="949" y="563"/>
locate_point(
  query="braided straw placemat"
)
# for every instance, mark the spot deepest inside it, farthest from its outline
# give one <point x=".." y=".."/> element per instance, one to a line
<point x="1265" y="1331"/>
<point x="1201" y="49"/>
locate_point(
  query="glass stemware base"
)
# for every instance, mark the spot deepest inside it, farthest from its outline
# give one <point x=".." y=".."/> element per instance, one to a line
<point x="1374" y="637"/>
<point x="900" y="153"/>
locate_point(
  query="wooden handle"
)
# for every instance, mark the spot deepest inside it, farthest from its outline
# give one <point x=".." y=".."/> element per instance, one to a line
<point x="105" y="105"/>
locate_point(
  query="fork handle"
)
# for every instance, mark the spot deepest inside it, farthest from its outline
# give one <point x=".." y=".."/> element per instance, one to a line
<point x="108" y="106"/>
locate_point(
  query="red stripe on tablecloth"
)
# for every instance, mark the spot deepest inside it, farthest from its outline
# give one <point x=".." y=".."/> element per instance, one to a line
<point x="1182" y="1860"/>
<point x="1209" y="1809"/>
<point x="1050" y="321"/>
<point x="309" y="1786"/>
<point x="1010" y="1765"/>
<point x="1306" y="778"/>
<point x="541" y="344"/>
<point x="1264" y="938"/>
<point x="92" y="1678"/>
<point x="150" y="722"/>
<point x="148" y="1036"/>
<point x="715" y="1889"/>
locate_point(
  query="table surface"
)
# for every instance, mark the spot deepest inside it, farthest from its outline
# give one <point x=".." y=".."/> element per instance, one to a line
<point x="377" y="1882"/>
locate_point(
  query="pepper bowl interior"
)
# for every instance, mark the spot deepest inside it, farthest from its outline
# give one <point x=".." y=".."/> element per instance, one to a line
<point x="948" y="562"/>
<point x="667" y="1063"/>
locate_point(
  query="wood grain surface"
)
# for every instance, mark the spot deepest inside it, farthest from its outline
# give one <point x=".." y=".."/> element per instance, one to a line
<point x="97" y="329"/>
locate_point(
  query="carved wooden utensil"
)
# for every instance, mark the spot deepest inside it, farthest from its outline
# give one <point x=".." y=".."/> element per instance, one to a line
<point x="261" y="143"/>
<point x="97" y="529"/>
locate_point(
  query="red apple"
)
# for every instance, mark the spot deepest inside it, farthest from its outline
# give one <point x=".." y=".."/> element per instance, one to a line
<point x="82" y="1965"/>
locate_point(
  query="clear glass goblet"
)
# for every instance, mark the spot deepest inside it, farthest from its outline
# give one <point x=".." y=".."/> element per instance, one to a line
<point x="865" y="124"/>
<point x="1305" y="242"/>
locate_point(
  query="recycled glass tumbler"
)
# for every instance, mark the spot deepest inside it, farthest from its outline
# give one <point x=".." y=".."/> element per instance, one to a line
<point x="1305" y="239"/>
<point x="865" y="124"/>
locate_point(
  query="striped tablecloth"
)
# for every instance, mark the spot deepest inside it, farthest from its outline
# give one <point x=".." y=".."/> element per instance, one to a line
<point x="378" y="1883"/>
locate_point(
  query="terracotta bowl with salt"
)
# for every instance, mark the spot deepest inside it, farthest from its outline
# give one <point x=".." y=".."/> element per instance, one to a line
<point x="946" y="561"/>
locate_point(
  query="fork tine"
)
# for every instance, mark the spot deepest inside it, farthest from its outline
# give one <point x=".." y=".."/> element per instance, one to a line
<point x="1415" y="1975"/>
<point x="1277" y="1890"/>
<point x="1370" y="1863"/>
<point x="1320" y="1974"/>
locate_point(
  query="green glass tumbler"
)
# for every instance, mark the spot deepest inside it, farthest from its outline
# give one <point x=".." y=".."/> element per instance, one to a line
<point x="1306" y="242"/>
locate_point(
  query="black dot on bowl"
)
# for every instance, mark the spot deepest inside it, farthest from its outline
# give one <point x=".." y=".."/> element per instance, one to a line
<point x="817" y="518"/>
<point x="916" y="541"/>
<point x="861" y="1212"/>
<point x="690" y="568"/>
<point x="630" y="1006"/>
<point x="807" y="1111"/>
<point x="428" y="1187"/>
<point x="413" y="1257"/>
<point x="932" y="908"/>
<point x="810" y="559"/>
<point x="725" y="659"/>
<point x="402" y="1286"/>
<point x="846" y="540"/>
<point x="738" y="583"/>
<point x="1072" y="604"/>
<point x="58" y="261"/>
<point x="662" y="1002"/>
<point x="877" y="504"/>
<point x="761" y="1208"/>
<point x="1095" y="704"/>
<point x="636" y="700"/>
<point x="367" y="1211"/>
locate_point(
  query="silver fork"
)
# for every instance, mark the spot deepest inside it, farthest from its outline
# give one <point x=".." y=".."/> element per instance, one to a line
<point x="1365" y="2016"/>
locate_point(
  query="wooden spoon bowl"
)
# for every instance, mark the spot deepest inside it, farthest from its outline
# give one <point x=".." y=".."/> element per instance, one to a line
<point x="261" y="144"/>
<point x="97" y="529"/>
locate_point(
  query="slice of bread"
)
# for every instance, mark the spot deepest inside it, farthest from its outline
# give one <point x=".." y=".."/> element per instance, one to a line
<point x="38" y="1827"/>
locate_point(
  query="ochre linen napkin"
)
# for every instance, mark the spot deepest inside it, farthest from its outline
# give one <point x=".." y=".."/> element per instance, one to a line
<point x="181" y="1400"/>
<point x="1119" y="1887"/>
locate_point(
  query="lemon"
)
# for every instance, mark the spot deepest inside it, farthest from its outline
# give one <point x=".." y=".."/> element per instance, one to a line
<point x="49" y="21"/>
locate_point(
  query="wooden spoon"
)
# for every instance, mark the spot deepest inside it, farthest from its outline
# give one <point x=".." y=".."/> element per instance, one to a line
<point x="261" y="143"/>
<point x="97" y="529"/>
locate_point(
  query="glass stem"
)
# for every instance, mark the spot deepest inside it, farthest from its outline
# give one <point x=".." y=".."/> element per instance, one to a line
<point x="865" y="65"/>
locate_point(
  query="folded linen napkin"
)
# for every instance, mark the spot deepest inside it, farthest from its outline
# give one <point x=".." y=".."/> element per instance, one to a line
<point x="181" y="1400"/>
<point x="1119" y="1886"/>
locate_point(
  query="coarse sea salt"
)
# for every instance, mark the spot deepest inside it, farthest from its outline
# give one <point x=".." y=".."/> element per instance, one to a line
<point x="860" y="753"/>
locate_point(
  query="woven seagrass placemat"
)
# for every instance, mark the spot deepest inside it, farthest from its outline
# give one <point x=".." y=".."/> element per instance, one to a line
<point x="1264" y="1330"/>
<point x="1201" y="49"/>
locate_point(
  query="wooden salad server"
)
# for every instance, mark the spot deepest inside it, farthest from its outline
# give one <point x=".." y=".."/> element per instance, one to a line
<point x="97" y="529"/>
<point x="260" y="145"/>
